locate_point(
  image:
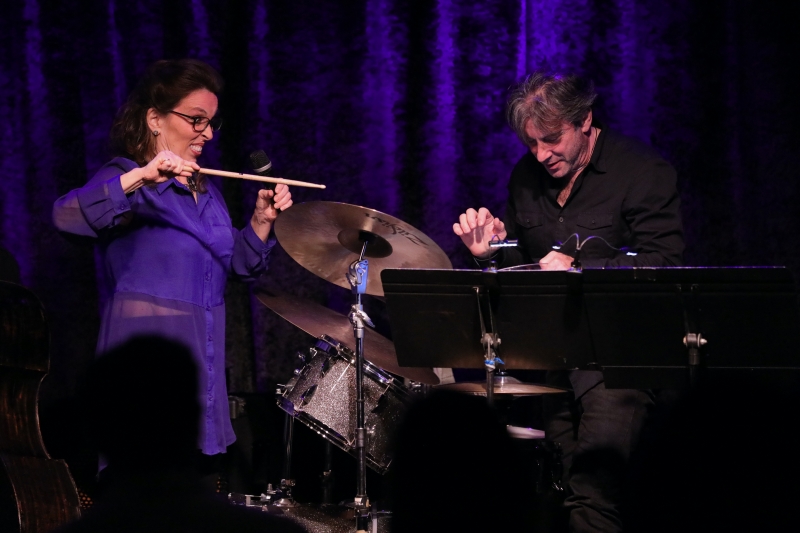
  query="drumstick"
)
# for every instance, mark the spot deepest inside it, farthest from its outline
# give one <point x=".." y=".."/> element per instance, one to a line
<point x="226" y="174"/>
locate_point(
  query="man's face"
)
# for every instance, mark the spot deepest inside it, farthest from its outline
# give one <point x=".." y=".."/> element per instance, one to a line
<point x="562" y="151"/>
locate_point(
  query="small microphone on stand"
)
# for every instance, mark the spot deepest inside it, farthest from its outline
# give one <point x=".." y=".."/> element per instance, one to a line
<point x="262" y="166"/>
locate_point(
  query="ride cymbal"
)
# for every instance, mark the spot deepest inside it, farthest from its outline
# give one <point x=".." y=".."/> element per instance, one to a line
<point x="326" y="237"/>
<point x="318" y="320"/>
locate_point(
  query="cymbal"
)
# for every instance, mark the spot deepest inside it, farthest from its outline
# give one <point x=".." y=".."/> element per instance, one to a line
<point x="326" y="237"/>
<point x="318" y="320"/>
<point x="505" y="385"/>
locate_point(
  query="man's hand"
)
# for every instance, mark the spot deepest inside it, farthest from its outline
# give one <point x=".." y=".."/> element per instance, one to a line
<point x="477" y="229"/>
<point x="555" y="261"/>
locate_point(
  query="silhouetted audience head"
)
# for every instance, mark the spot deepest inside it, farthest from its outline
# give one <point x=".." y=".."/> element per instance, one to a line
<point x="454" y="468"/>
<point x="725" y="459"/>
<point x="9" y="268"/>
<point x="142" y="404"/>
<point x="142" y="401"/>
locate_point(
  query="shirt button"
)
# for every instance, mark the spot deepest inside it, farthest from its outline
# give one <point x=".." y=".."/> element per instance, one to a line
<point x="209" y="338"/>
<point x="208" y="277"/>
<point x="561" y="219"/>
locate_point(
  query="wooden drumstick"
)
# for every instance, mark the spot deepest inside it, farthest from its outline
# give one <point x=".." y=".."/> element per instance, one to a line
<point x="226" y="174"/>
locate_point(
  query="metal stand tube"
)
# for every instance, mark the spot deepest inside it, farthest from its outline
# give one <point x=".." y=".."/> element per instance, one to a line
<point x="288" y="437"/>
<point x="357" y="277"/>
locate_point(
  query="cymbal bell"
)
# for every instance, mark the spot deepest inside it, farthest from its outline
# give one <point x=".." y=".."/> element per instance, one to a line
<point x="326" y="237"/>
<point x="317" y="320"/>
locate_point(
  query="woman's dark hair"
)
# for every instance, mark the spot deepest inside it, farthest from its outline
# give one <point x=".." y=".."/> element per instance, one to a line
<point x="164" y="84"/>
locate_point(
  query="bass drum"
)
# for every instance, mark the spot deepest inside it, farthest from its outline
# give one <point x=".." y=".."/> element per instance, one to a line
<point x="322" y="396"/>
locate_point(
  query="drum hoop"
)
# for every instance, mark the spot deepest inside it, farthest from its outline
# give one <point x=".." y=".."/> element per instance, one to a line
<point x="370" y="368"/>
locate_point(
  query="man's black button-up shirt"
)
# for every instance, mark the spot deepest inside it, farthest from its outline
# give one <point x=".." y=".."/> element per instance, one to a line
<point x="627" y="196"/>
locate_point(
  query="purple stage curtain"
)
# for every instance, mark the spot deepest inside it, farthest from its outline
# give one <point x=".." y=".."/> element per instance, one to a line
<point x="397" y="106"/>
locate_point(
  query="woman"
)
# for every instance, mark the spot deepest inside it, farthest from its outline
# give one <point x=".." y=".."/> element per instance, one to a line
<point x="164" y="232"/>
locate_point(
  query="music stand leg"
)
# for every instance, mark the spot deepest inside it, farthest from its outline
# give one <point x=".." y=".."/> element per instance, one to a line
<point x="489" y="385"/>
<point x="693" y="343"/>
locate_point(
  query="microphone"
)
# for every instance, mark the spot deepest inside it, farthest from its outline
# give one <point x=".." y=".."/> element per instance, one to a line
<point x="262" y="166"/>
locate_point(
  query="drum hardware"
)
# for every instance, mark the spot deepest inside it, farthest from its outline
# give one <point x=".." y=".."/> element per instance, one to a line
<point x="320" y="395"/>
<point x="357" y="278"/>
<point x="318" y="320"/>
<point x="416" y="388"/>
<point x="282" y="497"/>
<point x="548" y="468"/>
<point x="327" y="478"/>
<point x="322" y="237"/>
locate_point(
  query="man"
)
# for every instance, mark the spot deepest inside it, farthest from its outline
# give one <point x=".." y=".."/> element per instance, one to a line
<point x="581" y="180"/>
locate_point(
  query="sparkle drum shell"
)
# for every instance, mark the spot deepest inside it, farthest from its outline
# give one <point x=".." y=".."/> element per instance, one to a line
<point x="323" y="396"/>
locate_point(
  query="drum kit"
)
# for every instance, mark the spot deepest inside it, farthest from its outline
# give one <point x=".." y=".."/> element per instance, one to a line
<point x="350" y="389"/>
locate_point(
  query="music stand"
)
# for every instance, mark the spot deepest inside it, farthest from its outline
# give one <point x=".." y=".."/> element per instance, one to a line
<point x="640" y="317"/>
<point x="435" y="318"/>
<point x="644" y="327"/>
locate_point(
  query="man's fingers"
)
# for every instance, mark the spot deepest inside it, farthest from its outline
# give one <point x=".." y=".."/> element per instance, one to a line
<point x="472" y="218"/>
<point x="484" y="216"/>
<point x="462" y="220"/>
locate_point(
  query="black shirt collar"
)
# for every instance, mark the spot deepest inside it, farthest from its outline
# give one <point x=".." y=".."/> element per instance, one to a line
<point x="597" y="161"/>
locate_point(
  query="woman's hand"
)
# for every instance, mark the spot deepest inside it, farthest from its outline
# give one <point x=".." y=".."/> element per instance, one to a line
<point x="268" y="205"/>
<point x="163" y="166"/>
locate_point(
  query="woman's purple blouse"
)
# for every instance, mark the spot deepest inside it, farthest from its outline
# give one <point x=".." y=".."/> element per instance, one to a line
<point x="165" y="262"/>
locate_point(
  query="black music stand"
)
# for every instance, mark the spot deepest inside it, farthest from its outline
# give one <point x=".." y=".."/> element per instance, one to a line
<point x="644" y="327"/>
<point x="646" y="322"/>
<point x="435" y="318"/>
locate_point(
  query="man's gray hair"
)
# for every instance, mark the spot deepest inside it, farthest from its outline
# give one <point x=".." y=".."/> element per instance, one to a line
<point x="548" y="100"/>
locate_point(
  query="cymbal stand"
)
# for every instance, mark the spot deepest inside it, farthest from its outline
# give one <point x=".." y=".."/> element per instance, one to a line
<point x="282" y="497"/>
<point x="357" y="277"/>
<point x="287" y="482"/>
<point x="326" y="478"/>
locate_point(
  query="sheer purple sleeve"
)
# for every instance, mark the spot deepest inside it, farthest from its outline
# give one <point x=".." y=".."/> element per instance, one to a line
<point x="250" y="254"/>
<point x="96" y="205"/>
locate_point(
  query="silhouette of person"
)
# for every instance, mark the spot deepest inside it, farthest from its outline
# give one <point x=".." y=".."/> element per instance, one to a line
<point x="141" y="402"/>
<point x="9" y="268"/>
<point x="723" y="459"/>
<point x="455" y="469"/>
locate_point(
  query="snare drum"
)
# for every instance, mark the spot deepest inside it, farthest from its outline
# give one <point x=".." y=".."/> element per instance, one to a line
<point x="322" y="396"/>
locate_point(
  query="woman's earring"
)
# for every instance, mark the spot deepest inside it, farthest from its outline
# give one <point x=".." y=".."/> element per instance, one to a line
<point x="155" y="132"/>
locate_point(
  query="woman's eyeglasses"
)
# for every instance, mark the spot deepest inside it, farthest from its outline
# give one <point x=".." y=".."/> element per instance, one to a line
<point x="199" y="124"/>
